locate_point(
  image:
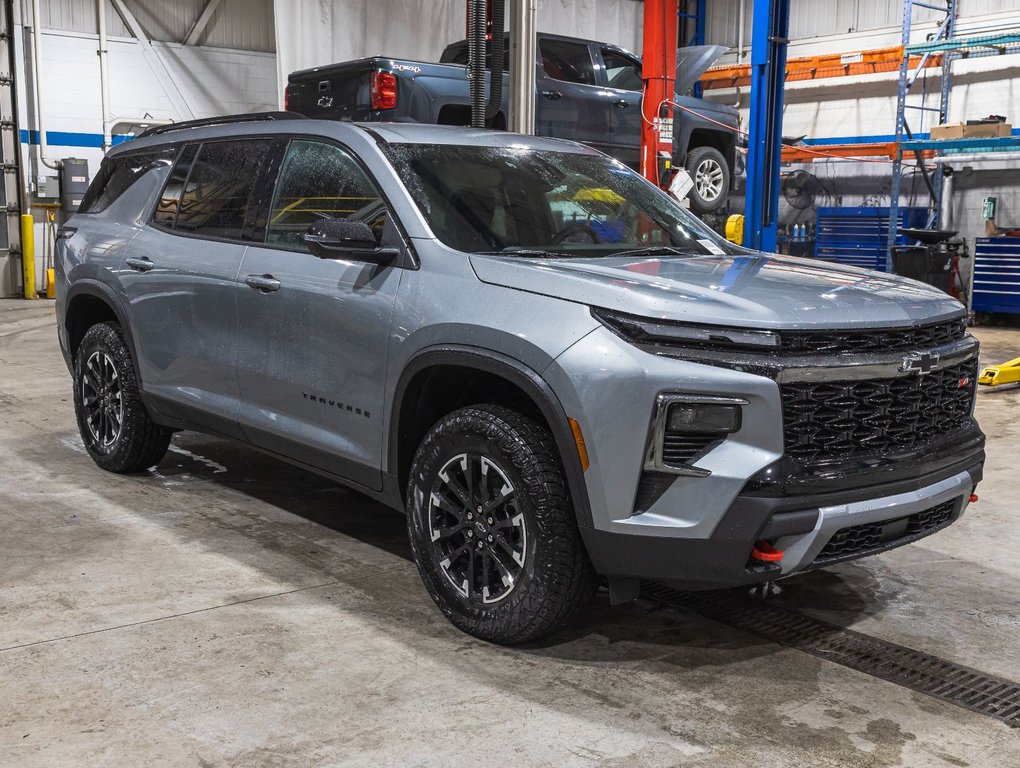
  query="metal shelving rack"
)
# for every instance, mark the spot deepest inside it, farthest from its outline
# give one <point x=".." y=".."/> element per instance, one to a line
<point x="946" y="45"/>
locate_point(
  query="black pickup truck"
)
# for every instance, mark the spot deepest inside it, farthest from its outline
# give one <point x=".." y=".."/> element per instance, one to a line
<point x="587" y="91"/>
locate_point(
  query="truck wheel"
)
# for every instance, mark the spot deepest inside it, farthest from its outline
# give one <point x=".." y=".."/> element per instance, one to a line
<point x="492" y="526"/>
<point x="114" y="425"/>
<point x="711" y="174"/>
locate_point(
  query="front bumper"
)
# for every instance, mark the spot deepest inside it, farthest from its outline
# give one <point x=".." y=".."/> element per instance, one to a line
<point x="801" y="526"/>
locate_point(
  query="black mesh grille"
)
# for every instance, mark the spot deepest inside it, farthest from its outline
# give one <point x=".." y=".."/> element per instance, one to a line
<point x="858" y="540"/>
<point x="683" y="447"/>
<point x="824" y="421"/>
<point x="883" y="340"/>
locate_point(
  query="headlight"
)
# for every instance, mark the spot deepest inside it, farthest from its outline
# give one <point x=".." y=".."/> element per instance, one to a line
<point x="647" y="330"/>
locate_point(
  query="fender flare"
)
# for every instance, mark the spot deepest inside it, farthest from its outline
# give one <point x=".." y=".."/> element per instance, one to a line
<point x="517" y="373"/>
<point x="99" y="290"/>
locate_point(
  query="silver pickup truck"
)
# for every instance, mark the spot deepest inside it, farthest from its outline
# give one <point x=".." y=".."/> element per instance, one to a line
<point x="554" y="368"/>
<point x="587" y="91"/>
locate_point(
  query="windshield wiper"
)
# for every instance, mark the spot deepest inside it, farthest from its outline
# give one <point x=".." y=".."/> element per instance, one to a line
<point x="531" y="253"/>
<point x="657" y="250"/>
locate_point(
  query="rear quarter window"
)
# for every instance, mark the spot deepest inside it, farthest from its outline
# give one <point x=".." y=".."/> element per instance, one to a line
<point x="118" y="174"/>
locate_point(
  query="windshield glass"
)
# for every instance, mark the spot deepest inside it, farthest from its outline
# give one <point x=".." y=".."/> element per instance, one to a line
<point x="519" y="200"/>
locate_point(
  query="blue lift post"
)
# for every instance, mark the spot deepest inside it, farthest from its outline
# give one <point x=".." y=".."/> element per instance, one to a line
<point x="770" y="25"/>
<point x="692" y="28"/>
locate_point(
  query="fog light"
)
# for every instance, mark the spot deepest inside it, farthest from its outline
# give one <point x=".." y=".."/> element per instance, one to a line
<point x="703" y="417"/>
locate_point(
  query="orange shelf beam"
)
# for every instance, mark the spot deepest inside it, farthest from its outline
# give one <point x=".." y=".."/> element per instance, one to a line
<point x="806" y="154"/>
<point x="817" y="67"/>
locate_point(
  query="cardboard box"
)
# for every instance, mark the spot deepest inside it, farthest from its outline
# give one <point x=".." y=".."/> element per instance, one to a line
<point x="977" y="131"/>
<point x="947" y="131"/>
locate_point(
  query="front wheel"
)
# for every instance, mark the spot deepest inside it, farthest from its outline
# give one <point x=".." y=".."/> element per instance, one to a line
<point x="492" y="526"/>
<point x="711" y="175"/>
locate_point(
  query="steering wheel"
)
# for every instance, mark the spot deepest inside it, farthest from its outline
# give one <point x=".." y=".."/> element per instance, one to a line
<point x="579" y="229"/>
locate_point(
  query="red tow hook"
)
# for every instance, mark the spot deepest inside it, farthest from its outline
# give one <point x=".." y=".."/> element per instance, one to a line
<point x="762" y="550"/>
<point x="973" y="498"/>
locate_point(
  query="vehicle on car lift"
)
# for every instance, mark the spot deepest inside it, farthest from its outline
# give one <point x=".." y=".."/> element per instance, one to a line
<point x="552" y="366"/>
<point x="587" y="91"/>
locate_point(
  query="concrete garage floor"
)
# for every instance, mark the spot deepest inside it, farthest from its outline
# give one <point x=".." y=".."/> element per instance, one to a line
<point x="228" y="610"/>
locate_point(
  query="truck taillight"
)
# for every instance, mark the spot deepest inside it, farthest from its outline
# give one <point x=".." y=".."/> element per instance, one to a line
<point x="286" y="99"/>
<point x="384" y="90"/>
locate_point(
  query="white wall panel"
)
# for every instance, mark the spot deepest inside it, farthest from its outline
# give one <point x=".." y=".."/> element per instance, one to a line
<point x="242" y="24"/>
<point x="214" y="81"/>
<point x="814" y="18"/>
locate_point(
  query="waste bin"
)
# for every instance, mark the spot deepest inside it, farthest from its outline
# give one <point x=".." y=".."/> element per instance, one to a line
<point x="928" y="265"/>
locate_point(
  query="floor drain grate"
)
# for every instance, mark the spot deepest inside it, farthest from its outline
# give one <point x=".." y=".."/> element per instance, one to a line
<point x="921" y="672"/>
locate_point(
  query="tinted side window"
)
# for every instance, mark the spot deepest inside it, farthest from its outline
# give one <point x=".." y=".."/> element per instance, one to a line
<point x="118" y="174"/>
<point x="622" y="72"/>
<point x="214" y="201"/>
<point x="570" y="62"/>
<point x="170" y="198"/>
<point x="320" y="181"/>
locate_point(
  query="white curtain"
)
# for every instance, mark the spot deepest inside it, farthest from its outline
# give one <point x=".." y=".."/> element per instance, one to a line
<point x="311" y="33"/>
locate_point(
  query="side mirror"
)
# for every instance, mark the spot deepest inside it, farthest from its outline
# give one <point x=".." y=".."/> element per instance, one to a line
<point x="345" y="239"/>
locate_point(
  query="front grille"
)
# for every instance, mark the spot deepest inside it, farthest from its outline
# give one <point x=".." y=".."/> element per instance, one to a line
<point x="684" y="447"/>
<point x="858" y="540"/>
<point x="831" y="421"/>
<point x="871" y="340"/>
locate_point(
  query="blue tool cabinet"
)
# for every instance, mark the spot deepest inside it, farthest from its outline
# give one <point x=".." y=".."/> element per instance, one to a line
<point x="996" y="275"/>
<point x="859" y="237"/>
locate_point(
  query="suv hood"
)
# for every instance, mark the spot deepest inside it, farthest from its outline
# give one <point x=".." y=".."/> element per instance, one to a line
<point x="756" y="291"/>
<point x="692" y="62"/>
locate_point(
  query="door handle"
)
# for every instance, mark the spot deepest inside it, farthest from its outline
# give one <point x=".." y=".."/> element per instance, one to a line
<point x="552" y="95"/>
<point x="262" y="283"/>
<point x="621" y="103"/>
<point x="142" y="263"/>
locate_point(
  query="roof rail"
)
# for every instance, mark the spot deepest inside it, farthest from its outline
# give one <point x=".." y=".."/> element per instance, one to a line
<point x="222" y="120"/>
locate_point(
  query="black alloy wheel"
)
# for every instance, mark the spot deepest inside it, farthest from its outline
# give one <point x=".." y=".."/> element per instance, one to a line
<point x="102" y="399"/>
<point x="479" y="536"/>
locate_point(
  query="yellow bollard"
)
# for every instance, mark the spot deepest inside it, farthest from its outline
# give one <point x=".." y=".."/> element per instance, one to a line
<point x="28" y="255"/>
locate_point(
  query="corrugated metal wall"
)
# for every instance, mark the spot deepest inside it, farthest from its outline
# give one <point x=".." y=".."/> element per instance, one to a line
<point x="242" y="24"/>
<point x="813" y="18"/>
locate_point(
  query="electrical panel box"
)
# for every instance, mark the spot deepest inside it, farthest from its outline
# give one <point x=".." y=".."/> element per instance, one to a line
<point x="48" y="188"/>
<point x="74" y="180"/>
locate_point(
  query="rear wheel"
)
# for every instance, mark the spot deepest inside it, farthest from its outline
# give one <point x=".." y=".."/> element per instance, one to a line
<point x="492" y="526"/>
<point x="711" y="174"/>
<point x="114" y="425"/>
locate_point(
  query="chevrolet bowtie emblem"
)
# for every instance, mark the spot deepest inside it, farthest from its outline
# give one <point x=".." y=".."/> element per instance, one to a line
<point x="919" y="363"/>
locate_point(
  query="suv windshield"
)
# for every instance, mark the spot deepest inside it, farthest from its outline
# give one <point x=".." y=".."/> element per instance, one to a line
<point x="519" y="200"/>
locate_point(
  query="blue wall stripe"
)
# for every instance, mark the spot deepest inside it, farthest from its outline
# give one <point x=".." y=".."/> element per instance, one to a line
<point x="65" y="139"/>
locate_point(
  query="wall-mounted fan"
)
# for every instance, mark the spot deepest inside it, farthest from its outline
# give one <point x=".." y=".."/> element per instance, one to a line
<point x="800" y="189"/>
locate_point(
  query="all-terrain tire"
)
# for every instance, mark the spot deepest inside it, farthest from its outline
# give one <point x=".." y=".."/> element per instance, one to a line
<point x="510" y="450"/>
<point x="137" y="443"/>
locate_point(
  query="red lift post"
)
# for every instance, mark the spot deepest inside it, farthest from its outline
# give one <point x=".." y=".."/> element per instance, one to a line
<point x="658" y="70"/>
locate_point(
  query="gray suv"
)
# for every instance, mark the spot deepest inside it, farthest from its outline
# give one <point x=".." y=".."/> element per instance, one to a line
<point x="556" y="370"/>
